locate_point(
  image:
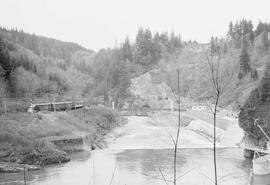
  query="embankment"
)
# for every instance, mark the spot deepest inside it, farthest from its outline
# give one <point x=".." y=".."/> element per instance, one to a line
<point x="47" y="137"/>
<point x="157" y="130"/>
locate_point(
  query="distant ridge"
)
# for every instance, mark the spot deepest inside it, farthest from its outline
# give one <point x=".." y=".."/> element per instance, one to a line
<point x="40" y="45"/>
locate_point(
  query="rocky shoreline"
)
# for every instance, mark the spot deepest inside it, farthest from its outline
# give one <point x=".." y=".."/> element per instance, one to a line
<point x="11" y="162"/>
<point x="49" y="151"/>
<point x="54" y="150"/>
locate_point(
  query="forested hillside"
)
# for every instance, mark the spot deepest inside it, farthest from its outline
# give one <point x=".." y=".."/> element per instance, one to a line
<point x="245" y="49"/>
<point x="34" y="66"/>
<point x="41" y="46"/>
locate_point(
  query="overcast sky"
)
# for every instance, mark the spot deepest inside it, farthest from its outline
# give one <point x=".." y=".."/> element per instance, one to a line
<point x="99" y="24"/>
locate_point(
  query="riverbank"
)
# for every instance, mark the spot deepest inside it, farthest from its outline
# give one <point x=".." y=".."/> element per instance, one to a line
<point x="195" y="133"/>
<point x="48" y="137"/>
<point x="139" y="149"/>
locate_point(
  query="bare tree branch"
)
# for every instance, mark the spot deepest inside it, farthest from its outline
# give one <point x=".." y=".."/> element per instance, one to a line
<point x="162" y="175"/>
<point x="112" y="179"/>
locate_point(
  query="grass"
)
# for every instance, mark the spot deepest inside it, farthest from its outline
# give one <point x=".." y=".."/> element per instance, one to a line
<point x="23" y="131"/>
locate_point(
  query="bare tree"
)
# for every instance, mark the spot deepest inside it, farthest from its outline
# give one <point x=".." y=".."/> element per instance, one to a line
<point x="220" y="79"/>
<point x="178" y="130"/>
<point x="215" y="76"/>
<point x="175" y="139"/>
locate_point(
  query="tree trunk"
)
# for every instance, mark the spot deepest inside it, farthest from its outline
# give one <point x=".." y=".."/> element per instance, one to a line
<point x="215" y="160"/>
<point x="177" y="136"/>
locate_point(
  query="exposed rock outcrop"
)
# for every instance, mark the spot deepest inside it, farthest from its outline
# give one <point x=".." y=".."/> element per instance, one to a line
<point x="150" y="91"/>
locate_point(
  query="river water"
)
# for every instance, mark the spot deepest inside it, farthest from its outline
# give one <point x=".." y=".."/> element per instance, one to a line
<point x="140" y="156"/>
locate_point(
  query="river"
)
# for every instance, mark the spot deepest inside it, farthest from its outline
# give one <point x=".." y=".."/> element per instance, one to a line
<point x="138" y="154"/>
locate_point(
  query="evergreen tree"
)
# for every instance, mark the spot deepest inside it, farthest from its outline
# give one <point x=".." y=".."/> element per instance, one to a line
<point x="264" y="40"/>
<point x="244" y="28"/>
<point x="174" y="43"/>
<point x="265" y="83"/>
<point x="156" y="49"/>
<point x="144" y="47"/>
<point x="231" y="31"/>
<point x="4" y="60"/>
<point x="164" y="40"/>
<point x="252" y="38"/>
<point x="120" y="81"/>
<point x="127" y="51"/>
<point x="260" y="28"/>
<point x="215" y="47"/>
<point x="244" y="61"/>
<point x="237" y="35"/>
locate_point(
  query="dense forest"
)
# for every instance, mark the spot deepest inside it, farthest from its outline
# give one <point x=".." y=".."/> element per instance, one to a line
<point x="33" y="66"/>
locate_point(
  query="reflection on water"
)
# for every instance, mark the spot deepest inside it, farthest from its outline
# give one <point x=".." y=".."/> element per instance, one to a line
<point x="142" y="167"/>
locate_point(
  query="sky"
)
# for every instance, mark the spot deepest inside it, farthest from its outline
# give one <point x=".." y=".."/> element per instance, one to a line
<point x="97" y="24"/>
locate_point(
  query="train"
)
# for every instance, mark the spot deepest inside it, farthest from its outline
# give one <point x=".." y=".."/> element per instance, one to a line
<point x="55" y="106"/>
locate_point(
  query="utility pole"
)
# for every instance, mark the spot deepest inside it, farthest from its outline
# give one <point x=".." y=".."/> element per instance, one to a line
<point x="5" y="104"/>
<point x="54" y="103"/>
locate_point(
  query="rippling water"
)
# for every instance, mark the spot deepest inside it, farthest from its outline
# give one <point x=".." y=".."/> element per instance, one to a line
<point x="141" y="167"/>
